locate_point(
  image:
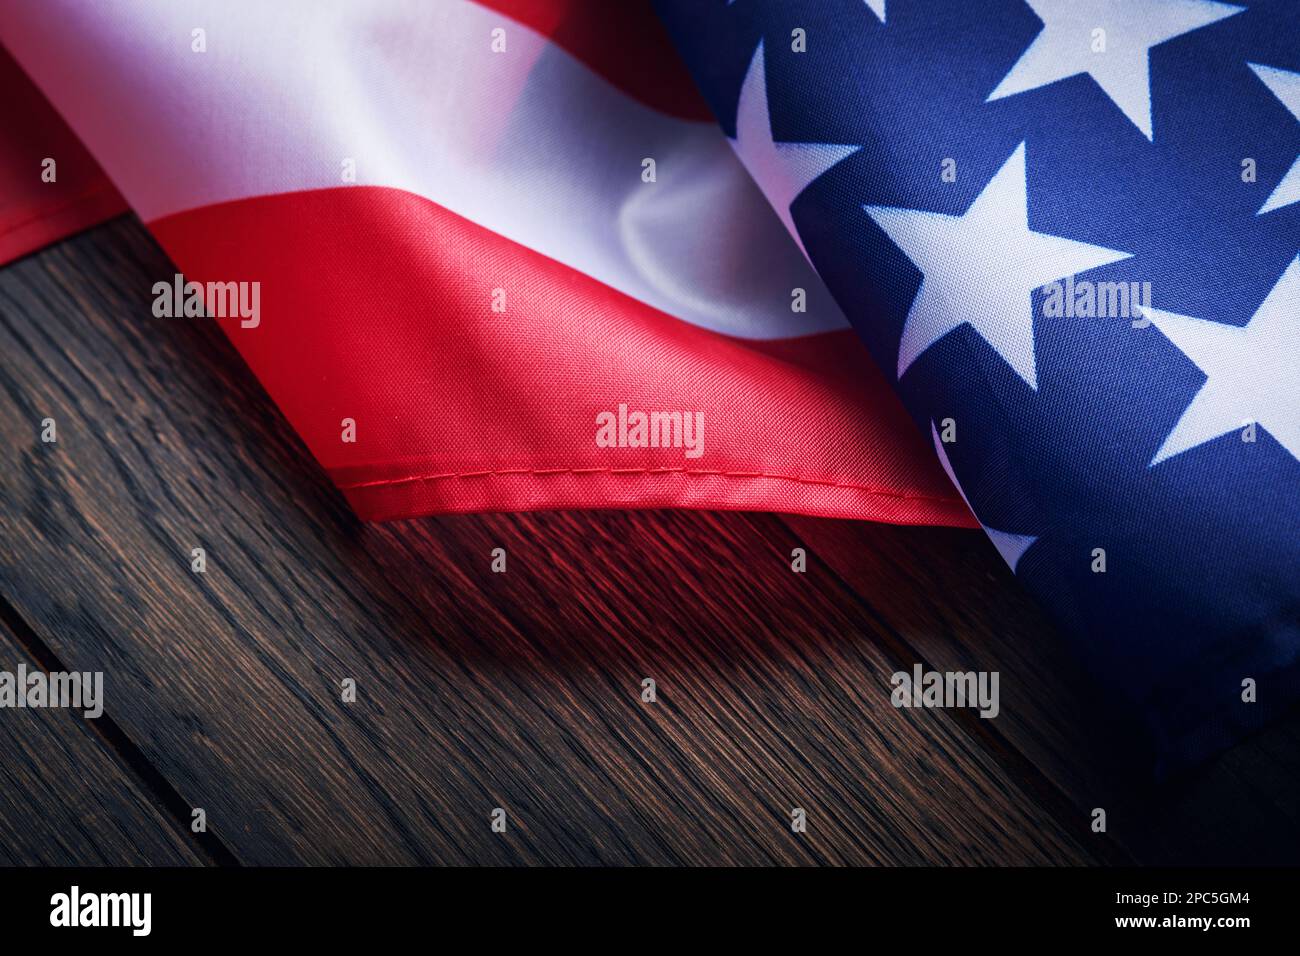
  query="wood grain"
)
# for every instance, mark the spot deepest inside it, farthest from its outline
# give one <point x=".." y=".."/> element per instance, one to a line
<point x="479" y="690"/>
<point x="65" y="796"/>
<point x="953" y="605"/>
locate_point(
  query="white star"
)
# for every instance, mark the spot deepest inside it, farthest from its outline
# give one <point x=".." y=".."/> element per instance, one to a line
<point x="981" y="268"/>
<point x="877" y="6"/>
<point x="1286" y="87"/>
<point x="783" y="170"/>
<point x="1069" y="44"/>
<point x="1251" y="372"/>
<point x="1010" y="546"/>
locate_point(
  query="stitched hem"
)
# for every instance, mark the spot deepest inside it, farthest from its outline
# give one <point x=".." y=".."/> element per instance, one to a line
<point x="63" y="205"/>
<point x="686" y="472"/>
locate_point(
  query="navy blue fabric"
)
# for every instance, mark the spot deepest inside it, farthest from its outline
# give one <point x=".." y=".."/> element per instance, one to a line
<point x="1202" y="583"/>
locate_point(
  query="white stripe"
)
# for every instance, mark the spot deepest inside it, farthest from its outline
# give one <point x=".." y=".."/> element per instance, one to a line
<point x="529" y="143"/>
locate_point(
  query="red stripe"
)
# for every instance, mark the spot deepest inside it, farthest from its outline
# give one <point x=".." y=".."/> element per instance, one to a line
<point x="34" y="212"/>
<point x="621" y="40"/>
<point x="376" y="306"/>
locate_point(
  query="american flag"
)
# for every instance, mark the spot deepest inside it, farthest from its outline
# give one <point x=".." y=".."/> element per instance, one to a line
<point x="957" y="172"/>
<point x="464" y="253"/>
<point x="489" y="234"/>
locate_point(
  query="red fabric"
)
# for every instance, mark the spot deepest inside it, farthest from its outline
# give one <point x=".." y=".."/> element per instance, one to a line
<point x="34" y="213"/>
<point x="375" y="306"/>
<point x="622" y="40"/>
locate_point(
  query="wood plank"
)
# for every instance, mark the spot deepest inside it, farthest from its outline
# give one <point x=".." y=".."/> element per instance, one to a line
<point x="954" y="605"/>
<point x="476" y="690"/>
<point x="66" y="799"/>
<point x="770" y="687"/>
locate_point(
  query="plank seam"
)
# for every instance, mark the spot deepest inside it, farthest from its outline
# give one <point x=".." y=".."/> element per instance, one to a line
<point x="165" y="798"/>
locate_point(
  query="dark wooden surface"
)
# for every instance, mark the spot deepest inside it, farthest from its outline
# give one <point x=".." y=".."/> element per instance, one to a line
<point x="521" y="691"/>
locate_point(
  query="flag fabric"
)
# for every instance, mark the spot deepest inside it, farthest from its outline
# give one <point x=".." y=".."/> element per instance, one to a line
<point x="50" y="187"/>
<point x="1067" y="231"/>
<point x="492" y="238"/>
<point x="483" y="255"/>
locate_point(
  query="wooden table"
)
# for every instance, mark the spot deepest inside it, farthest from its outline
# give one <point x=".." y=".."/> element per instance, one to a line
<point x="520" y="691"/>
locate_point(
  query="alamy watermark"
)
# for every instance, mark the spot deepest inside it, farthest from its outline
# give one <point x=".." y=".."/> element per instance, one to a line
<point x="1072" y="298"/>
<point x="220" y="300"/>
<point x="634" y="429"/>
<point x="73" y="909"/>
<point x="922" y="688"/>
<point x="82" y="690"/>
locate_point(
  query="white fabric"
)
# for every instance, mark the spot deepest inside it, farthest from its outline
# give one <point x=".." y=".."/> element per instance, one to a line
<point x="529" y="143"/>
